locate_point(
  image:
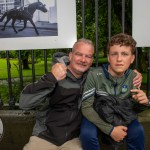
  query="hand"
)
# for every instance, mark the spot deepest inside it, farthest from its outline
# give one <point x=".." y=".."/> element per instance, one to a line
<point x="139" y="96"/>
<point x="59" y="70"/>
<point x="138" y="79"/>
<point x="119" y="133"/>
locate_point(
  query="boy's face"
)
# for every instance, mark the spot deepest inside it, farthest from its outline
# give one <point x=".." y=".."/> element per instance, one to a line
<point x="120" y="58"/>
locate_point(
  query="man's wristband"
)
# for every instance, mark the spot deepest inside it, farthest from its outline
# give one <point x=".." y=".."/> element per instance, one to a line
<point x="148" y="104"/>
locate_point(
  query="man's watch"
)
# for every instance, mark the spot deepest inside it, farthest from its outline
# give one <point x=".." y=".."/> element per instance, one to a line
<point x="148" y="104"/>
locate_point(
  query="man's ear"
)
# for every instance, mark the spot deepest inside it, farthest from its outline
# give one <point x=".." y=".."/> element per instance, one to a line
<point x="70" y="55"/>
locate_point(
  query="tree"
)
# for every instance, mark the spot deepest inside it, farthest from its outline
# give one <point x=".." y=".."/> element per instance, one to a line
<point x="25" y="58"/>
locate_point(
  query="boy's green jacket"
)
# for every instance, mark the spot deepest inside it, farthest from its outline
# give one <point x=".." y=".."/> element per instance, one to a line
<point x="100" y="82"/>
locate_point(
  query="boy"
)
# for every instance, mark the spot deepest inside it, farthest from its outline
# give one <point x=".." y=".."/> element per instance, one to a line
<point x="114" y="79"/>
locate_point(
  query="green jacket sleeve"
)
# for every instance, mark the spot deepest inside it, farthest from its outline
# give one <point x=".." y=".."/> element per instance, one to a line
<point x="91" y="115"/>
<point x="87" y="104"/>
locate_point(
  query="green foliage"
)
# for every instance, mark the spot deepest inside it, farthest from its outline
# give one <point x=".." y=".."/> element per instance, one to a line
<point x="90" y="23"/>
<point x="27" y="74"/>
<point x="144" y="80"/>
<point x="4" y="91"/>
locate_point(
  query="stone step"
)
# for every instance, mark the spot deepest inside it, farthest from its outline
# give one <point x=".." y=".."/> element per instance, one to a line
<point x="18" y="125"/>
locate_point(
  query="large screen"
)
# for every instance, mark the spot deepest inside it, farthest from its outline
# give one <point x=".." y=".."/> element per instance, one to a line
<point x="141" y="22"/>
<point x="37" y="24"/>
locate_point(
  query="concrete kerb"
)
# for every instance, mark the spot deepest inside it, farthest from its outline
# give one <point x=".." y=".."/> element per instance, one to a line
<point x="18" y="125"/>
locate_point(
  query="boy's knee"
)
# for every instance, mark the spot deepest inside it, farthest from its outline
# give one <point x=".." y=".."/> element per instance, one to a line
<point x="88" y="136"/>
<point x="136" y="130"/>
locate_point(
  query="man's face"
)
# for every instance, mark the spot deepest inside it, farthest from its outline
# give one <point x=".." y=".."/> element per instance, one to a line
<point x="81" y="59"/>
<point x="120" y="58"/>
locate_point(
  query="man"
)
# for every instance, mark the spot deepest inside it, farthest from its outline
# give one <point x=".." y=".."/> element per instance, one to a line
<point x="58" y="97"/>
<point x="58" y="94"/>
<point x="114" y="79"/>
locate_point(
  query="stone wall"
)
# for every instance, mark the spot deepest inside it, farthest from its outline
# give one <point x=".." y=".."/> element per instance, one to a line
<point x="18" y="127"/>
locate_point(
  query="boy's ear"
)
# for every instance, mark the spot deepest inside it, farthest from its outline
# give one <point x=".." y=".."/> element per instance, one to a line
<point x="132" y="60"/>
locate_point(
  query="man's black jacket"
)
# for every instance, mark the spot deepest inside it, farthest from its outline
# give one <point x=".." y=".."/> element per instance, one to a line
<point x="114" y="111"/>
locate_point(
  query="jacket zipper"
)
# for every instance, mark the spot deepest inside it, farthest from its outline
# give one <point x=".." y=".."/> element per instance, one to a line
<point x="115" y="85"/>
<point x="66" y="135"/>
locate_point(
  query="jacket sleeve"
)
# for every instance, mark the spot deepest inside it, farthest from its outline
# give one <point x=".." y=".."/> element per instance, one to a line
<point x="138" y="108"/>
<point x="35" y="94"/>
<point x="87" y="105"/>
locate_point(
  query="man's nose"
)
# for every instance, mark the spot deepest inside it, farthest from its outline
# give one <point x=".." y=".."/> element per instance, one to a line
<point x="83" y="58"/>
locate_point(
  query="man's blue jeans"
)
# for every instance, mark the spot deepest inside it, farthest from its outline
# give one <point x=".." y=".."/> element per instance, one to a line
<point x="89" y="136"/>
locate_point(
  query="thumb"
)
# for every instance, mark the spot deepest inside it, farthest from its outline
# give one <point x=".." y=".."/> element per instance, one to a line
<point x="124" y="128"/>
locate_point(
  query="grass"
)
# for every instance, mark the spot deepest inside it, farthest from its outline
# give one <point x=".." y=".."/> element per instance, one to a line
<point x="4" y="91"/>
<point x="39" y="69"/>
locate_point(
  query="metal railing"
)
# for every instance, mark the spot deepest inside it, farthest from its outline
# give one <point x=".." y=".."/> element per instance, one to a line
<point x="12" y="99"/>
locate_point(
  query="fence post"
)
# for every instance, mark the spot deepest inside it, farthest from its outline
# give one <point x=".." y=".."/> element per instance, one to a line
<point x="11" y="97"/>
<point x="123" y="16"/>
<point x="96" y="31"/>
<point x="20" y="70"/>
<point x="1" y="101"/>
<point x="83" y="17"/>
<point x="148" y="75"/>
<point x="109" y="19"/>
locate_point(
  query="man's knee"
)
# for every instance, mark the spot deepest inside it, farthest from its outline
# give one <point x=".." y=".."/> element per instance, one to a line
<point x="73" y="144"/>
<point x="36" y="143"/>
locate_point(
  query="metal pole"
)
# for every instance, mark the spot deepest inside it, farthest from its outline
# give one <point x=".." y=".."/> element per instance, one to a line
<point x="11" y="97"/>
<point x="136" y="58"/>
<point x="109" y="19"/>
<point x="33" y="67"/>
<point x="96" y="31"/>
<point x="123" y="16"/>
<point x="1" y="101"/>
<point x="22" y="3"/>
<point x="148" y="75"/>
<point x="20" y="69"/>
<point x="83" y="17"/>
<point x="45" y="60"/>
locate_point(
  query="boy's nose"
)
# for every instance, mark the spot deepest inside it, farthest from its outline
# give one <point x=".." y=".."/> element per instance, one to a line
<point x="119" y="57"/>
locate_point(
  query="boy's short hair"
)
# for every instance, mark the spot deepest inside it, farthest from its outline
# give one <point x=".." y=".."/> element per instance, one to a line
<point x="122" y="39"/>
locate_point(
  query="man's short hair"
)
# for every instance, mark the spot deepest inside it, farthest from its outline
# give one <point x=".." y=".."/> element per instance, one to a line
<point x="83" y="40"/>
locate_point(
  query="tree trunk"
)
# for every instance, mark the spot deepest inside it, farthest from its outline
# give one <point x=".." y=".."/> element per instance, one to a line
<point x="25" y="63"/>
